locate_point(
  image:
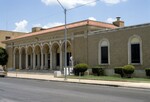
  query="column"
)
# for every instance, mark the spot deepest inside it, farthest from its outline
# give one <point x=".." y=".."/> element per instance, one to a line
<point x="33" y="60"/>
<point x="26" y="60"/>
<point x="38" y="60"/>
<point x="20" y="60"/>
<point x="60" y="59"/>
<point x="46" y="60"/>
<point x="14" y="61"/>
<point x="51" y="62"/>
<point x="72" y="49"/>
<point x="41" y="59"/>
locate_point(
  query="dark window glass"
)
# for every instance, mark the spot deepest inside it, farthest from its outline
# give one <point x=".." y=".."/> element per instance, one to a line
<point x="68" y="58"/>
<point x="40" y="59"/>
<point x="48" y="61"/>
<point x="36" y="60"/>
<point x="104" y="55"/>
<point x="44" y="59"/>
<point x="57" y="59"/>
<point x="29" y="60"/>
<point x="7" y="37"/>
<point x="135" y="53"/>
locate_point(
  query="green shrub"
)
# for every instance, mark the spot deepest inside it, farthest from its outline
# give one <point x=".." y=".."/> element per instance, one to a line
<point x="128" y="70"/>
<point x="119" y="70"/>
<point x="79" y="69"/>
<point x="98" y="70"/>
<point x="147" y="70"/>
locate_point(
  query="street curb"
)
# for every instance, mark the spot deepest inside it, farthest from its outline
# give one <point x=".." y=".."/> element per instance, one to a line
<point x="81" y="83"/>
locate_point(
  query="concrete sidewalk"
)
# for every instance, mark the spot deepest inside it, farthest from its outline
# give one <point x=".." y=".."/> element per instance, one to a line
<point x="50" y="77"/>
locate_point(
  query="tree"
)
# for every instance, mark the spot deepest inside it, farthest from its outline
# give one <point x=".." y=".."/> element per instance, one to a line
<point x="3" y="56"/>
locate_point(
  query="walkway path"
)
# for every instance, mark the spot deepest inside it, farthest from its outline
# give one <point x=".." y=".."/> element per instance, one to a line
<point x="50" y="77"/>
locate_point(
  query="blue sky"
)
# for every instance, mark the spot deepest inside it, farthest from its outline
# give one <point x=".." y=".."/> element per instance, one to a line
<point x="22" y="15"/>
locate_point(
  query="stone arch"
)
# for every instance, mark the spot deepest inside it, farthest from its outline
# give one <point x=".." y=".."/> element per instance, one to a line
<point x="29" y="57"/>
<point x="15" y="49"/>
<point x="37" y="51"/>
<point x="29" y="49"/>
<point x="46" y="56"/>
<point x="68" y="54"/>
<point x="16" y="58"/>
<point x="23" y="57"/>
<point x="55" y="51"/>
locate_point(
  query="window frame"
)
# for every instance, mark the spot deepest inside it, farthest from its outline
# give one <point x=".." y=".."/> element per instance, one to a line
<point x="99" y="52"/>
<point x="7" y="37"/>
<point x="129" y="49"/>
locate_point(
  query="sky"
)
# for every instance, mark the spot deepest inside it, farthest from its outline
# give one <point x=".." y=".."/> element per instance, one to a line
<point x="22" y="15"/>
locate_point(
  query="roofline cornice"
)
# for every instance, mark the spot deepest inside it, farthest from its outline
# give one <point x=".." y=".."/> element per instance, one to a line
<point x="120" y="28"/>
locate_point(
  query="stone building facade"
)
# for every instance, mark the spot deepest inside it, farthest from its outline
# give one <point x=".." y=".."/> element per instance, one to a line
<point x="5" y="35"/>
<point x="91" y="42"/>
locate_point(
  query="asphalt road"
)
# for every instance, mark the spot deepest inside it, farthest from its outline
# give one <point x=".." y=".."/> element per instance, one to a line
<point x="24" y="90"/>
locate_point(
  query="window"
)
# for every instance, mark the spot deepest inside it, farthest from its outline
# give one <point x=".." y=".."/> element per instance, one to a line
<point x="134" y="50"/>
<point x="135" y="53"/>
<point x="7" y="37"/>
<point x="104" y="52"/>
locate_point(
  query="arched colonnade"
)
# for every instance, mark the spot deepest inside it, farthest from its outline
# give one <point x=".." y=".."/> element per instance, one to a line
<point x="42" y="56"/>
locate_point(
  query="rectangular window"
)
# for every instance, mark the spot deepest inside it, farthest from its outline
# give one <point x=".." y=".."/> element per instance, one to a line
<point x="7" y="37"/>
<point x="135" y="53"/>
<point x="104" y="55"/>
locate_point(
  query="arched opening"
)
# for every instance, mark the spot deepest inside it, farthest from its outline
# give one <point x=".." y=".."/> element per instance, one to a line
<point x="37" y="57"/>
<point x="16" y="58"/>
<point x="56" y="56"/>
<point x="46" y="57"/>
<point x="68" y="54"/>
<point x="23" y="58"/>
<point x="30" y="57"/>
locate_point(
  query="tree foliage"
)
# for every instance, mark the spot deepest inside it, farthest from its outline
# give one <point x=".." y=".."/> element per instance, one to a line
<point x="3" y="56"/>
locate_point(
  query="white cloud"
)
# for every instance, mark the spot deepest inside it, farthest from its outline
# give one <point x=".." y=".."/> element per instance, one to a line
<point x="92" y="18"/>
<point x="21" y="26"/>
<point x="69" y="3"/>
<point x="49" y="25"/>
<point x="113" y="1"/>
<point x="110" y="20"/>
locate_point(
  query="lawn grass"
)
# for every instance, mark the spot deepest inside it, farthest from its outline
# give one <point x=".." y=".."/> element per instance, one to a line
<point x="110" y="78"/>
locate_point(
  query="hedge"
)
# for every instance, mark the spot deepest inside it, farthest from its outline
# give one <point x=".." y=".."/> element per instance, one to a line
<point x="147" y="70"/>
<point x="79" y="69"/>
<point x="119" y="70"/>
<point x="98" y="70"/>
<point x="125" y="71"/>
<point x="128" y="70"/>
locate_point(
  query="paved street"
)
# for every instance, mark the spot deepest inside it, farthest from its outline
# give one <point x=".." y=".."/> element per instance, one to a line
<point x="25" y="90"/>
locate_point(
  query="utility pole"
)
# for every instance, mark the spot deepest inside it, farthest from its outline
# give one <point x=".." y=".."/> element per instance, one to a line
<point x="65" y="38"/>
